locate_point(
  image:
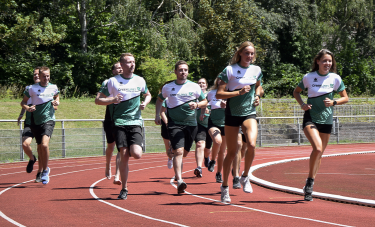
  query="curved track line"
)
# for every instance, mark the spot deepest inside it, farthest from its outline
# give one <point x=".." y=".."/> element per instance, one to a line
<point x="1" y="192"/>
<point x="254" y="209"/>
<point x="366" y="202"/>
<point x="126" y="210"/>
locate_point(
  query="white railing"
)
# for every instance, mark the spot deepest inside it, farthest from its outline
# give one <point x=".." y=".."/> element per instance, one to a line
<point x="272" y="131"/>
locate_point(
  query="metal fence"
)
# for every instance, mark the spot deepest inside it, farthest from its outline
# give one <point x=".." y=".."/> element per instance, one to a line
<point x="272" y="131"/>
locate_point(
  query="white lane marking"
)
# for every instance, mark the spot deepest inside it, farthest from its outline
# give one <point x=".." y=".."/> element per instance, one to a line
<point x="299" y="191"/>
<point x="254" y="209"/>
<point x="126" y="210"/>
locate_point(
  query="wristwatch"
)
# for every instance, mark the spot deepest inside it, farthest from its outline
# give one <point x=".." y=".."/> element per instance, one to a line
<point x="334" y="103"/>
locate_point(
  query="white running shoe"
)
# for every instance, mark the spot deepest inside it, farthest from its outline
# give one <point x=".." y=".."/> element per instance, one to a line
<point x="225" y="198"/>
<point x="170" y="163"/>
<point x="245" y="182"/>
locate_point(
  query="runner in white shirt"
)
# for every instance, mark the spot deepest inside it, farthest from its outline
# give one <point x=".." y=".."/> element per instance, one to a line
<point x="27" y="135"/>
<point x="321" y="84"/>
<point x="125" y="91"/>
<point x="44" y="96"/>
<point x="182" y="103"/>
<point x="241" y="86"/>
<point x="108" y="129"/>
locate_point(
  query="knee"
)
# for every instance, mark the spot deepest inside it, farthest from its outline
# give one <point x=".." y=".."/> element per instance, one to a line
<point x="179" y="151"/>
<point x="218" y="140"/>
<point x="200" y="144"/>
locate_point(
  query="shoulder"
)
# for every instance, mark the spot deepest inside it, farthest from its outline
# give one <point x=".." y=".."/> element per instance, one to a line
<point x="334" y="75"/>
<point x="105" y="82"/>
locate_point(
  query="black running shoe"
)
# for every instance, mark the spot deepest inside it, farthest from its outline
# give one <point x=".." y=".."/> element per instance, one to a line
<point x="181" y="187"/>
<point x="211" y="165"/>
<point x="218" y="177"/>
<point x="38" y="177"/>
<point x="198" y="172"/>
<point x="123" y="194"/>
<point x="308" y="197"/>
<point x="30" y="165"/>
<point x="236" y="183"/>
<point x="206" y="161"/>
<point x="308" y="189"/>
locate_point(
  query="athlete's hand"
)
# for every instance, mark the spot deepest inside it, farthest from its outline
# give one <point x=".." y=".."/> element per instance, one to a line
<point x="117" y="98"/>
<point x="328" y="102"/>
<point x="201" y="117"/>
<point x="306" y="107"/>
<point x="256" y="101"/>
<point x="193" y="105"/>
<point x="31" y="108"/>
<point x="223" y="104"/>
<point x="55" y="103"/>
<point x="142" y="106"/>
<point x="245" y="90"/>
<point x="157" y="120"/>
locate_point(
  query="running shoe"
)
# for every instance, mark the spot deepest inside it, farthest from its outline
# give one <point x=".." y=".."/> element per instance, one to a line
<point x="170" y="163"/>
<point x="225" y="198"/>
<point x="181" y="186"/>
<point x="236" y="183"/>
<point x="308" y="189"/>
<point x="211" y="165"/>
<point x="245" y="182"/>
<point x="30" y="165"/>
<point x="218" y="178"/>
<point x="206" y="161"/>
<point x="45" y="176"/>
<point x="38" y="177"/>
<point x="123" y="194"/>
<point x="198" y="171"/>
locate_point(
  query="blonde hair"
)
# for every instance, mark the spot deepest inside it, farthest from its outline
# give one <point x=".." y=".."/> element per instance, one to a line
<point x="318" y="56"/>
<point x="215" y="86"/>
<point x="43" y="68"/>
<point x="237" y="58"/>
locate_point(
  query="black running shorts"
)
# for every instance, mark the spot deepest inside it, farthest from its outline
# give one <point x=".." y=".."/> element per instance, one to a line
<point x="27" y="131"/>
<point x="201" y="133"/>
<point x="237" y="121"/>
<point x="181" y="135"/>
<point x="44" y="129"/>
<point x="164" y="131"/>
<point x="322" y="128"/>
<point x="128" y="135"/>
<point x="109" y="132"/>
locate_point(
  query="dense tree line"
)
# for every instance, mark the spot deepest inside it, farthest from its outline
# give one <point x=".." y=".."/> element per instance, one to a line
<point x="80" y="39"/>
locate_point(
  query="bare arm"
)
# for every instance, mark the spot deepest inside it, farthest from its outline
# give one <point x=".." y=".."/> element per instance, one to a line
<point x="147" y="100"/>
<point x="163" y="116"/>
<point x="297" y="95"/>
<point x="158" y="106"/>
<point x="102" y="99"/>
<point x="20" y="116"/>
<point x="223" y="94"/>
<point x="344" y="99"/>
<point x="25" y="106"/>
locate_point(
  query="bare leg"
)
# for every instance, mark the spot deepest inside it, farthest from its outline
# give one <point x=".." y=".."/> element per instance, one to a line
<point x="318" y="142"/>
<point x="108" y="157"/>
<point x="220" y="157"/>
<point x="199" y="152"/>
<point x="237" y="159"/>
<point x="231" y="138"/>
<point x="44" y="151"/>
<point x="177" y="162"/>
<point x="26" y="141"/>
<point x="250" y="129"/>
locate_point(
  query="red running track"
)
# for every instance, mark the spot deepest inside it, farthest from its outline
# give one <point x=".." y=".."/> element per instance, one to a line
<point x="79" y="195"/>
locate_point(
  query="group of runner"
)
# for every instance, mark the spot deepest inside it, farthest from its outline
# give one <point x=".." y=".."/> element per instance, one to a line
<point x="221" y="118"/>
